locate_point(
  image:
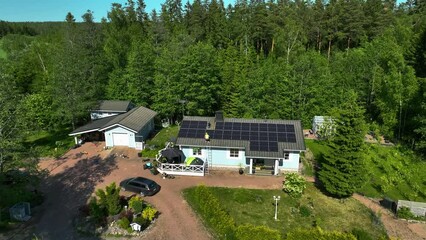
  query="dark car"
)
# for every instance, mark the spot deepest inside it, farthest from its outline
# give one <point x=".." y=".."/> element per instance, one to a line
<point x="143" y="186"/>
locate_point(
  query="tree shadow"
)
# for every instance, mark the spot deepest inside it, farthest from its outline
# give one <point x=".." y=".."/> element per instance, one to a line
<point x="65" y="192"/>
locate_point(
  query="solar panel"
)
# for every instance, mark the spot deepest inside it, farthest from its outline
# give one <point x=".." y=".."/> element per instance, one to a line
<point x="273" y="146"/>
<point x="183" y="133"/>
<point x="245" y="126"/>
<point x="281" y="128"/>
<point x="185" y="124"/>
<point x="228" y="126"/>
<point x="290" y="128"/>
<point x="245" y="136"/>
<point x="191" y="134"/>
<point x="254" y="127"/>
<point x="202" y="125"/>
<point x="263" y="146"/>
<point x="227" y="135"/>
<point x="236" y="126"/>
<point x="272" y="127"/>
<point x="235" y="135"/>
<point x="263" y="136"/>
<point x="282" y="137"/>
<point x="263" y="127"/>
<point x="254" y="136"/>
<point x="254" y="146"/>
<point x="200" y="133"/>
<point x="272" y="136"/>
<point x="219" y="125"/>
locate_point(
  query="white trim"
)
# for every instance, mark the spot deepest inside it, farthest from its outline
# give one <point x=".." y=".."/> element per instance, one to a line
<point x="232" y="157"/>
<point x="87" y="131"/>
<point x="119" y="125"/>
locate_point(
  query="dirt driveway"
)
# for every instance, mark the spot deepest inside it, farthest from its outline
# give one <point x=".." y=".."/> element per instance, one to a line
<point x="76" y="176"/>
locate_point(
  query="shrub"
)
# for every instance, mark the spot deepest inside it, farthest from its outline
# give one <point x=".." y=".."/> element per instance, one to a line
<point x="250" y="232"/>
<point x="149" y="213"/>
<point x="97" y="213"/>
<point x="405" y="212"/>
<point x="361" y="234"/>
<point x="123" y="223"/>
<point x="110" y="199"/>
<point x="294" y="184"/>
<point x="136" y="203"/>
<point x="142" y="221"/>
<point x="305" y="211"/>
<point x="318" y="234"/>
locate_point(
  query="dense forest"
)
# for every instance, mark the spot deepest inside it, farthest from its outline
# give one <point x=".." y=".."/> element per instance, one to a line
<point x="254" y="59"/>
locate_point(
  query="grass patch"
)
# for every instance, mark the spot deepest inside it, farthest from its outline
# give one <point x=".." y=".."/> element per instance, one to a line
<point x="256" y="207"/>
<point x="159" y="140"/>
<point x="393" y="172"/>
<point x="48" y="144"/>
<point x="2" y="52"/>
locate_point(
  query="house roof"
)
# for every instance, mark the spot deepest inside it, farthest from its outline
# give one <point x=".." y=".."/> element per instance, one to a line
<point x="291" y="140"/>
<point x="113" y="106"/>
<point x="133" y="120"/>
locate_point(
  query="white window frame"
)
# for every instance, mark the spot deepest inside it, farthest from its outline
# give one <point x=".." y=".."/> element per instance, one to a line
<point x="231" y="153"/>
<point x="286" y="156"/>
<point x="197" y="151"/>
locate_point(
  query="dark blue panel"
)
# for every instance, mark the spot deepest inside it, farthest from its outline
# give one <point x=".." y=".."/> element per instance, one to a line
<point x="254" y="136"/>
<point x="263" y="127"/>
<point x="290" y="128"/>
<point x="272" y="136"/>
<point x="228" y="126"/>
<point x="227" y="135"/>
<point x="200" y="133"/>
<point x="202" y="125"/>
<point x="185" y="124"/>
<point x="263" y="146"/>
<point x="219" y="125"/>
<point x="191" y="134"/>
<point x="254" y="126"/>
<point x="193" y="124"/>
<point x="218" y="134"/>
<point x="254" y="146"/>
<point x="282" y="137"/>
<point x="245" y="136"/>
<point x="245" y="126"/>
<point x="281" y="128"/>
<point x="272" y="127"/>
<point x="263" y="136"/>
<point x="273" y="146"/>
<point x="183" y="133"/>
<point x="235" y="135"/>
<point x="236" y="126"/>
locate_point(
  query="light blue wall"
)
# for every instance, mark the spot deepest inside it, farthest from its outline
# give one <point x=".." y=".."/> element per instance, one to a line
<point x="292" y="163"/>
<point x="109" y="132"/>
<point x="220" y="156"/>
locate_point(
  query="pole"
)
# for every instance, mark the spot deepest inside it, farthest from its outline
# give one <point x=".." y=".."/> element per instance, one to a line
<point x="276" y="198"/>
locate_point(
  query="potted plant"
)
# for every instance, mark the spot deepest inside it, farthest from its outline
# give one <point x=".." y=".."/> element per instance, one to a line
<point x="241" y="169"/>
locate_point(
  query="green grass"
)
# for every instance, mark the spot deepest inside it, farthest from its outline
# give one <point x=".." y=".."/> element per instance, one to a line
<point x="312" y="209"/>
<point x="158" y="142"/>
<point x="392" y="171"/>
<point x="49" y="144"/>
<point x="2" y="52"/>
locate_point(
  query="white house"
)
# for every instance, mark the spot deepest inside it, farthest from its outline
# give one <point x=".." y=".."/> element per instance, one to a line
<point x="129" y="129"/>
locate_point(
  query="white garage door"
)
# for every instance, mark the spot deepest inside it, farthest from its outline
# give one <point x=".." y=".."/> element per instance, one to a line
<point x="120" y="139"/>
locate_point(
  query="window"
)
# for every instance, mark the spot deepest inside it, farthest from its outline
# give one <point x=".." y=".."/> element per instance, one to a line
<point x="234" y="153"/>
<point x="196" y="152"/>
<point x="286" y="155"/>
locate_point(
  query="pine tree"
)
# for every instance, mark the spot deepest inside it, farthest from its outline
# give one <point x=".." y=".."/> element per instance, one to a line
<point x="342" y="169"/>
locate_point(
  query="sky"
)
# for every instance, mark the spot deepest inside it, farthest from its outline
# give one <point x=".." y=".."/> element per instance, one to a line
<point x="56" y="10"/>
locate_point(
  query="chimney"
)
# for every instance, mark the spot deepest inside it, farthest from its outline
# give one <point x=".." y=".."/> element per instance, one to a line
<point x="219" y="116"/>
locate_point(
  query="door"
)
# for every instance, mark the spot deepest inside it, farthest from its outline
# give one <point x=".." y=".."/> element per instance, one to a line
<point x="120" y="139"/>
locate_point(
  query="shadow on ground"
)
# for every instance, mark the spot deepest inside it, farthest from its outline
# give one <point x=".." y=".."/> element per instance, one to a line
<point x="65" y="192"/>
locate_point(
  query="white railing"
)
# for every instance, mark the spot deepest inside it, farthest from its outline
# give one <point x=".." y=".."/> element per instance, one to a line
<point x="181" y="169"/>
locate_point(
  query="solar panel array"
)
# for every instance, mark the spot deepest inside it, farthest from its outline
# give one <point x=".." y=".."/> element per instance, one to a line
<point x="262" y="136"/>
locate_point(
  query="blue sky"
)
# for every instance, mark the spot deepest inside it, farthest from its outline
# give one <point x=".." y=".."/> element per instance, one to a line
<point x="56" y="10"/>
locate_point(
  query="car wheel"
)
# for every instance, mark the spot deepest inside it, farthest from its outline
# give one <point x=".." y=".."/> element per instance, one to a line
<point x="142" y="194"/>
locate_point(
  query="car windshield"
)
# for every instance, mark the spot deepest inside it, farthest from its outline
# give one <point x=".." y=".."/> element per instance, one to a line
<point x="152" y="185"/>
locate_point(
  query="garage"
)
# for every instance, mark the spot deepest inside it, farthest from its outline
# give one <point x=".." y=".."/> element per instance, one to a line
<point x="120" y="139"/>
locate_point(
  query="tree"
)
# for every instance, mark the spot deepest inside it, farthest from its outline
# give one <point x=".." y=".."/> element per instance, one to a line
<point x="109" y="199"/>
<point x="343" y="169"/>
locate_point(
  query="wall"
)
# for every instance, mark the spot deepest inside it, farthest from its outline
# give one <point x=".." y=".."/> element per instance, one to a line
<point x="220" y="156"/>
<point x="109" y="132"/>
<point x="292" y="164"/>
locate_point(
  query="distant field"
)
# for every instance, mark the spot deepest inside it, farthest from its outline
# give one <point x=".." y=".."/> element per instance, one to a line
<point x="2" y="52"/>
<point x="392" y="171"/>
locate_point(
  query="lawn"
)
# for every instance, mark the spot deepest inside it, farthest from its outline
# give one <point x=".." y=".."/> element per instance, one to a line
<point x="2" y="52"/>
<point x="158" y="141"/>
<point x="48" y="144"/>
<point x="393" y="171"/>
<point x="312" y="209"/>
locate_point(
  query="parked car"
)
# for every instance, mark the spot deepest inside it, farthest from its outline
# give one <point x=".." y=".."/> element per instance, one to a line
<point x="143" y="186"/>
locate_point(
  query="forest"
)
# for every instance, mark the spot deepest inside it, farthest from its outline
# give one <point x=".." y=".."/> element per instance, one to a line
<point x="253" y="59"/>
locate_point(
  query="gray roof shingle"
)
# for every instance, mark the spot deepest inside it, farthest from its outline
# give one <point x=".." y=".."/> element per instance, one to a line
<point x="299" y="145"/>
<point x="113" y="106"/>
<point x="134" y="120"/>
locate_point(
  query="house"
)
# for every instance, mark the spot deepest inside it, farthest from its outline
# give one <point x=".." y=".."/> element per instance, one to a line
<point x="108" y="108"/>
<point x="258" y="145"/>
<point x="129" y="129"/>
<point x="322" y="126"/>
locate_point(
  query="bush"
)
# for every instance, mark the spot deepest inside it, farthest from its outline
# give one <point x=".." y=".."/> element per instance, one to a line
<point x="123" y="223"/>
<point x="361" y="234"/>
<point x="149" y="213"/>
<point x="250" y="232"/>
<point x="97" y="213"/>
<point x="294" y="184"/>
<point x="405" y="212"/>
<point x="142" y="221"/>
<point x="136" y="203"/>
<point x="110" y="199"/>
<point x="305" y="211"/>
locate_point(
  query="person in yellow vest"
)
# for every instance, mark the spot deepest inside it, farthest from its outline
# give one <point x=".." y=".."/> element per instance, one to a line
<point x="207" y="137"/>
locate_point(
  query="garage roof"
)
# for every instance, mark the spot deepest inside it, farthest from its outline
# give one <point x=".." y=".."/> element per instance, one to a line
<point x="133" y="120"/>
<point x="113" y="106"/>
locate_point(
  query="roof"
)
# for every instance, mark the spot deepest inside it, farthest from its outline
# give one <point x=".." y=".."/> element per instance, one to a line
<point x="113" y="106"/>
<point x="295" y="144"/>
<point x="133" y="120"/>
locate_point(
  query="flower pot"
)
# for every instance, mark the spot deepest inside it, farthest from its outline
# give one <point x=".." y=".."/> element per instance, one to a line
<point x="241" y="171"/>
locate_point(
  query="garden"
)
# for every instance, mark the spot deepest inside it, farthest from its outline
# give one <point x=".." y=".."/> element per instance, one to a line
<point x="228" y="211"/>
<point x="157" y="142"/>
<point x="110" y="214"/>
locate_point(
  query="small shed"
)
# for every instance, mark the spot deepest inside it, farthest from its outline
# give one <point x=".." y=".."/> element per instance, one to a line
<point x="322" y="124"/>
<point x="417" y="208"/>
<point x="20" y="212"/>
